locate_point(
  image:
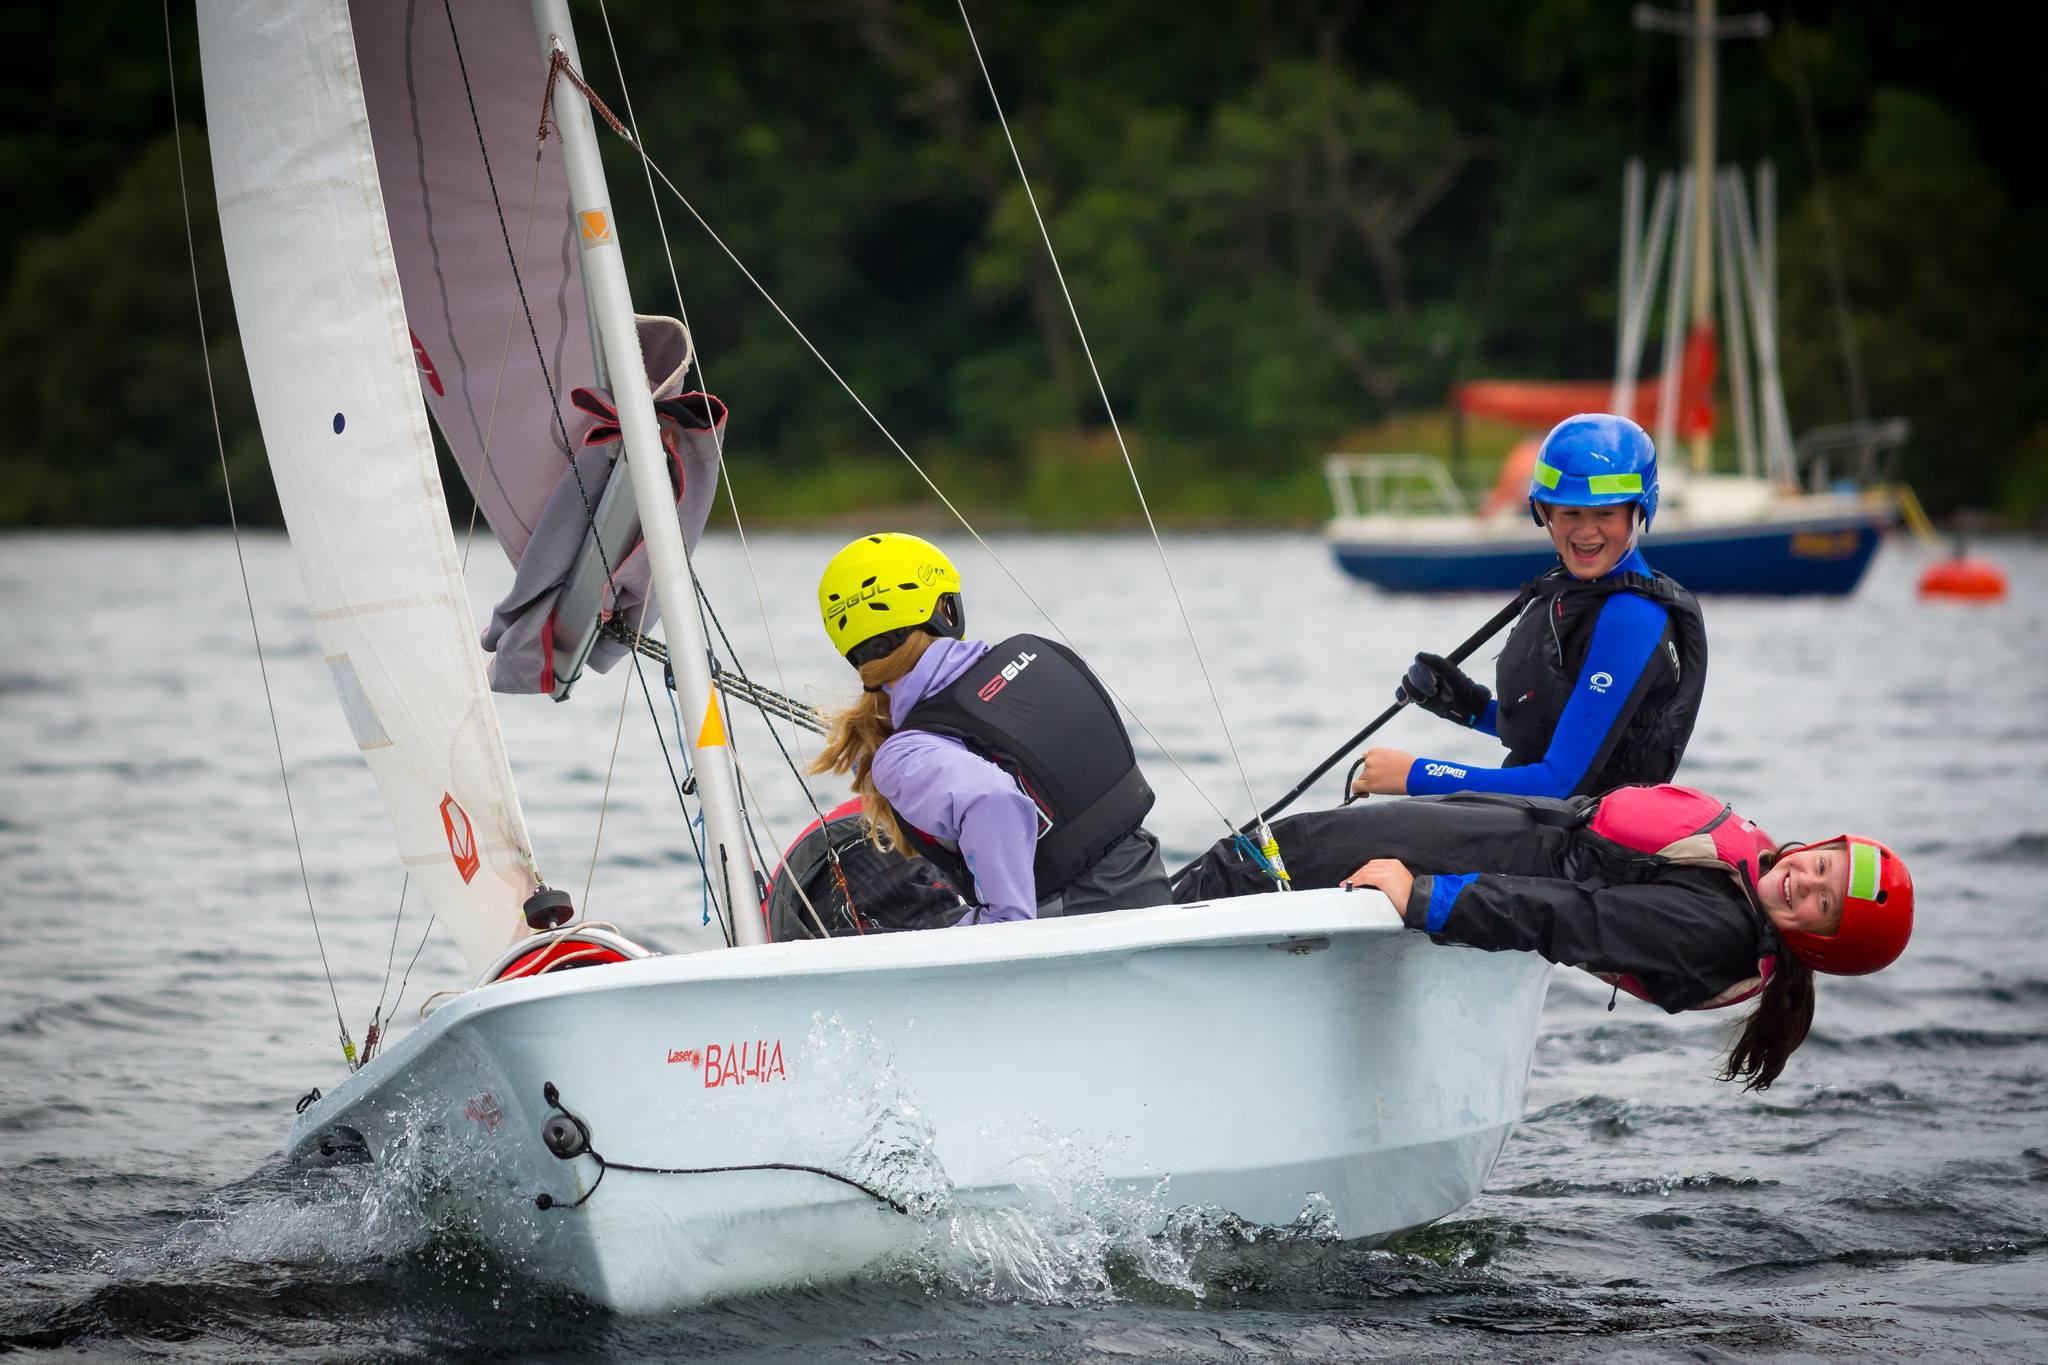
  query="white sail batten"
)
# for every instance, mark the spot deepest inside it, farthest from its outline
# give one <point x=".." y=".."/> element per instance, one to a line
<point x="337" y="387"/>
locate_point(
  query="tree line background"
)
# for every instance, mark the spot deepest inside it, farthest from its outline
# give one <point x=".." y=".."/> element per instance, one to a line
<point x="1289" y="229"/>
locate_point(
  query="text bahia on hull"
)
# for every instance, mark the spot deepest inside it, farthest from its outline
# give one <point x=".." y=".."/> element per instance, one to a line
<point x="1260" y="1057"/>
<point x="1794" y="517"/>
<point x="650" y="1129"/>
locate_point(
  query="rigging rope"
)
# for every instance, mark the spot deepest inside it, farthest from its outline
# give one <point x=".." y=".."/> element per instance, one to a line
<point x="1109" y="410"/>
<point x="804" y="338"/>
<point x="554" y="399"/>
<point x="568" y="1144"/>
<point x="348" y="1047"/>
<point x="717" y="434"/>
<point x="695" y="825"/>
<point x="770" y="704"/>
<point x="1831" y="242"/>
<point x="604" y="800"/>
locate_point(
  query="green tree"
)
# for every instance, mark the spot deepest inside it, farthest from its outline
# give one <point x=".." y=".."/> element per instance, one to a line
<point x="1941" y="292"/>
<point x="107" y="380"/>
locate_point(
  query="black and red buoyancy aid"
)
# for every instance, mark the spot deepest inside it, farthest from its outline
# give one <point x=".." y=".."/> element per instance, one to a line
<point x="1034" y="709"/>
<point x="1684" y="825"/>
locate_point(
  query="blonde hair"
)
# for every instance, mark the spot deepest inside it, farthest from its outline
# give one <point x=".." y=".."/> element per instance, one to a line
<point x="856" y="731"/>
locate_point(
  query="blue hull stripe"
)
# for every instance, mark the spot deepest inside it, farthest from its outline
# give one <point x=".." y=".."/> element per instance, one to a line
<point x="1826" y="556"/>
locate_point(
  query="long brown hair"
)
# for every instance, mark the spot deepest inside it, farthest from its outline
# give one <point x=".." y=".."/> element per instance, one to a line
<point x="856" y="731"/>
<point x="1783" y="1014"/>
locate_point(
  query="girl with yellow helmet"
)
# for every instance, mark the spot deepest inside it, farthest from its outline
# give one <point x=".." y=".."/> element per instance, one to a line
<point x="1006" y="765"/>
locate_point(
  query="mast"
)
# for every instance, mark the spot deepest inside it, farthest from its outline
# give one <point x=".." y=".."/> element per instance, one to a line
<point x="1703" y="92"/>
<point x="1696" y="229"/>
<point x="727" y="862"/>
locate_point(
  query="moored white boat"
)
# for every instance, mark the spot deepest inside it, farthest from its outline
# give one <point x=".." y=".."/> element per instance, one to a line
<point x="1795" y="518"/>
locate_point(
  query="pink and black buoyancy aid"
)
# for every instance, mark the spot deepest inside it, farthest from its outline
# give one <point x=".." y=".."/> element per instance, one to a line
<point x="1684" y="825"/>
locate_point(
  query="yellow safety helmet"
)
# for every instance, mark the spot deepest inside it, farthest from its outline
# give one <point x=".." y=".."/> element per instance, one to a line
<point x="879" y="589"/>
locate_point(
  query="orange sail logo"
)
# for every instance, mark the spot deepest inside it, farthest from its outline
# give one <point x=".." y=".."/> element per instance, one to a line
<point x="597" y="228"/>
<point x="461" y="837"/>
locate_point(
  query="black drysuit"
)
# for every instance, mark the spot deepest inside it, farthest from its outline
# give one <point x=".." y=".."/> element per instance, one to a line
<point x="1502" y="872"/>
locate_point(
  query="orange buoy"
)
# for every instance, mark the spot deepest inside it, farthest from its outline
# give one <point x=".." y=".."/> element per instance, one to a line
<point x="1969" y="580"/>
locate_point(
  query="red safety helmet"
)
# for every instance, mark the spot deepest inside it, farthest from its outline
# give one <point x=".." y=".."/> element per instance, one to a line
<point x="1877" y="914"/>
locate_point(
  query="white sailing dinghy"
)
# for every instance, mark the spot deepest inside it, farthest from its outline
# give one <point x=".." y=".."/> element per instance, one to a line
<point x="656" y="1130"/>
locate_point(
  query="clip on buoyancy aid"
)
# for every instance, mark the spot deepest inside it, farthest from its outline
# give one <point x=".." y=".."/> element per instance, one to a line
<point x="1035" y="710"/>
<point x="1686" y="826"/>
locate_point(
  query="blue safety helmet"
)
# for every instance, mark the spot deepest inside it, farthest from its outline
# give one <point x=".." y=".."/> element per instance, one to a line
<point x="1595" y="460"/>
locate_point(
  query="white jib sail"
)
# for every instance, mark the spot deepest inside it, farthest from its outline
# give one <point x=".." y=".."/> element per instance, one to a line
<point x="337" y="390"/>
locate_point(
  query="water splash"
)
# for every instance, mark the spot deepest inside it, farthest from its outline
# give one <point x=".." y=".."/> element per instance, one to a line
<point x="1058" y="1231"/>
<point x="334" y="1216"/>
<point x="889" y="1140"/>
<point x="1062" y="1230"/>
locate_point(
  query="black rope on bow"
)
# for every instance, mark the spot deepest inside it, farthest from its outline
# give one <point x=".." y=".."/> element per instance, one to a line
<point x="568" y="1137"/>
<point x="308" y="1100"/>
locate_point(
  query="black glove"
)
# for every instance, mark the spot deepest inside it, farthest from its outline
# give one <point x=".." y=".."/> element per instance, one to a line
<point x="1441" y="688"/>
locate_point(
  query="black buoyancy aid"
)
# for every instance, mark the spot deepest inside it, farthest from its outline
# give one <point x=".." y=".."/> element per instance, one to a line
<point x="1686" y="826"/>
<point x="1034" y="709"/>
<point x="1539" y="668"/>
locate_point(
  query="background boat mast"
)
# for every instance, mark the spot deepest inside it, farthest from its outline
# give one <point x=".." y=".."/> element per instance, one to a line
<point x="727" y="862"/>
<point x="1705" y="31"/>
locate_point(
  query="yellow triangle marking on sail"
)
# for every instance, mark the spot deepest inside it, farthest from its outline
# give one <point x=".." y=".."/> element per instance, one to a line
<point x="711" y="734"/>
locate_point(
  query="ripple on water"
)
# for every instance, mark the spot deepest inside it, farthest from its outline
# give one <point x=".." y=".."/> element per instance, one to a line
<point x="1929" y="1038"/>
<point x="1659" y="1216"/>
<point x="1606" y="1117"/>
<point x="2031" y="990"/>
<point x="1658" y="1187"/>
<point x="32" y="1118"/>
<point x="2031" y="846"/>
<point x="105" y="1011"/>
<point x="1612" y="1041"/>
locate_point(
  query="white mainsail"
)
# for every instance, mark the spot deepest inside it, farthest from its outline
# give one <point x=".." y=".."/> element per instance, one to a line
<point x="337" y="385"/>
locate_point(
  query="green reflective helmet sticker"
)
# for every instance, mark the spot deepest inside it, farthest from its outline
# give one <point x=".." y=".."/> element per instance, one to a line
<point x="1862" y="872"/>
<point x="1615" y="483"/>
<point x="1545" y="475"/>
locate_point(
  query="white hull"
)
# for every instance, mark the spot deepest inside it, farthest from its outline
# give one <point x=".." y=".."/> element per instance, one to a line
<point x="1253" y="1054"/>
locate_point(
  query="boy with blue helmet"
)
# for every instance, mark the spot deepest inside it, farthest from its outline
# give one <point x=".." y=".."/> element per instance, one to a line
<point x="1601" y="678"/>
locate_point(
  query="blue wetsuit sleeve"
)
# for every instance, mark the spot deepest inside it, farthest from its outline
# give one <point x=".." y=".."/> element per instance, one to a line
<point x="1488" y="721"/>
<point x="1602" y="701"/>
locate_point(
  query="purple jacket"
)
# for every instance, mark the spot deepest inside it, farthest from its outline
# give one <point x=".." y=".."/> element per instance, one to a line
<point x="949" y="791"/>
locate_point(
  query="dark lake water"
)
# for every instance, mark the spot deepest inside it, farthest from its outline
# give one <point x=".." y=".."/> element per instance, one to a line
<point x="162" y="1003"/>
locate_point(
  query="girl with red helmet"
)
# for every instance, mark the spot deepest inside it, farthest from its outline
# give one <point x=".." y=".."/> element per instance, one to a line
<point x="1664" y="892"/>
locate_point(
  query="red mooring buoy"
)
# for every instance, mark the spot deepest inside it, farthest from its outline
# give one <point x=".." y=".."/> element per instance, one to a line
<point x="1968" y="580"/>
